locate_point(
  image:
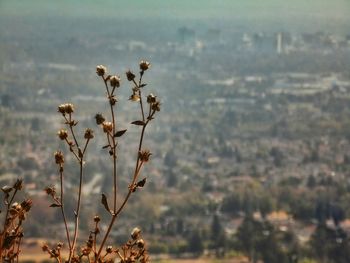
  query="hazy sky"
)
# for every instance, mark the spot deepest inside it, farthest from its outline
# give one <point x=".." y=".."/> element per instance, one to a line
<point x="182" y="8"/>
<point x="284" y="12"/>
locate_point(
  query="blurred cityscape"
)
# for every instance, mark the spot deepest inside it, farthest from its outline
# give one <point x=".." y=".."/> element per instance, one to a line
<point x="251" y="152"/>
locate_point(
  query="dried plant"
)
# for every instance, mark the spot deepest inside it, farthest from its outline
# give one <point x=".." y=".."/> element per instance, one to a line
<point x="93" y="251"/>
<point x="12" y="233"/>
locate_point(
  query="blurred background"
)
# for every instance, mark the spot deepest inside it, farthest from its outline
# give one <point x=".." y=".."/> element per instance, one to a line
<point x="251" y="151"/>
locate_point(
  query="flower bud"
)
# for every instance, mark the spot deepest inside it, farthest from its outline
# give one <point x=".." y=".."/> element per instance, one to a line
<point x="59" y="157"/>
<point x="144" y="65"/>
<point x="114" y="81"/>
<point x="130" y="76"/>
<point x="97" y="219"/>
<point x="101" y="70"/>
<point x="62" y="134"/>
<point x="107" y="126"/>
<point x="99" y="118"/>
<point x="89" y="134"/>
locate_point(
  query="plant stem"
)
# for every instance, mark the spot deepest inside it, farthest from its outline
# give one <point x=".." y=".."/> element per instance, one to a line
<point x="114" y="151"/>
<point x="76" y="227"/>
<point x="62" y="208"/>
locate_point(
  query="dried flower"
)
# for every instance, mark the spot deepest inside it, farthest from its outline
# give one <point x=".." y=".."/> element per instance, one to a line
<point x="112" y="100"/>
<point x="18" y="184"/>
<point x="59" y="245"/>
<point x="97" y="219"/>
<point x="144" y="65"/>
<point x="45" y="247"/>
<point x="130" y="76"/>
<point x="134" y="97"/>
<point x="101" y="70"/>
<point x="114" y="81"/>
<point x="107" y="126"/>
<point x="89" y="134"/>
<point x="50" y="190"/>
<point x="69" y="108"/>
<point x="144" y="155"/>
<point x="66" y="108"/>
<point x="27" y="204"/>
<point x="109" y="249"/>
<point x="62" y="134"/>
<point x="99" y="118"/>
<point x="156" y="106"/>
<point x="151" y="98"/>
<point x="135" y="233"/>
<point x="59" y="157"/>
<point x="140" y="243"/>
<point x="61" y="108"/>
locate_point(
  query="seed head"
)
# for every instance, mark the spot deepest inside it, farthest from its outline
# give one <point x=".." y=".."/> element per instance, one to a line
<point x="135" y="233"/>
<point x="140" y="243"/>
<point x="89" y="134"/>
<point x="107" y="126"/>
<point x="61" y="108"/>
<point x="151" y="98"/>
<point x="62" y="134"/>
<point x="156" y="106"/>
<point x="134" y="97"/>
<point x="50" y="190"/>
<point x="99" y="118"/>
<point x="144" y="65"/>
<point x="114" y="81"/>
<point x="69" y="108"/>
<point x="109" y="249"/>
<point x="97" y="219"/>
<point x="18" y="184"/>
<point x="130" y="76"/>
<point x="101" y="70"/>
<point x="59" y="157"/>
<point x="27" y="204"/>
<point x="45" y="247"/>
<point x="144" y="155"/>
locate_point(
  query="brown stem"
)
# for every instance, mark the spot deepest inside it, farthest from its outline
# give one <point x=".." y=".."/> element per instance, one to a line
<point x="7" y="213"/>
<point x="114" y="151"/>
<point x="136" y="173"/>
<point x="62" y="208"/>
<point x="71" y="129"/>
<point x="76" y="213"/>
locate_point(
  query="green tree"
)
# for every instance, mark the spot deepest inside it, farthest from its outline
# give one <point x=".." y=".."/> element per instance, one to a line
<point x="195" y="243"/>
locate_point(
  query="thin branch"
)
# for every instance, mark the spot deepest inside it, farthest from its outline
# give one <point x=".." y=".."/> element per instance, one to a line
<point x="62" y="208"/>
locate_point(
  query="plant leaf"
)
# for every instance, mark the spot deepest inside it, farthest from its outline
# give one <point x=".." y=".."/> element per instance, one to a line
<point x="105" y="202"/>
<point x="143" y="85"/>
<point x="139" y="123"/>
<point x="105" y="147"/>
<point x="119" y="133"/>
<point x="6" y="189"/>
<point x="141" y="183"/>
<point x="55" y="205"/>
